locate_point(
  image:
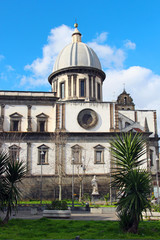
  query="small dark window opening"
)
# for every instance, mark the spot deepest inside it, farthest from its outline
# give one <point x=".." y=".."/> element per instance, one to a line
<point x="15" y="125"/>
<point x="98" y="91"/>
<point x="151" y="157"/>
<point x="125" y="100"/>
<point x="62" y="90"/>
<point x="82" y="88"/>
<point x="42" y="126"/>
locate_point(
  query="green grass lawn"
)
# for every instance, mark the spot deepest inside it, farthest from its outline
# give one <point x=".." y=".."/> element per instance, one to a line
<point x="69" y="229"/>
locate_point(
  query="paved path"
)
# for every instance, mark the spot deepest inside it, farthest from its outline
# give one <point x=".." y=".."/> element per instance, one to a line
<point x="78" y="215"/>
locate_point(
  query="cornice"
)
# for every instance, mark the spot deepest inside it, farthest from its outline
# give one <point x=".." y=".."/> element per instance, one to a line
<point x="80" y="69"/>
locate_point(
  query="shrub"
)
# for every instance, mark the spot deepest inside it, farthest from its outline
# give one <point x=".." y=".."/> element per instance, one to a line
<point x="58" y="205"/>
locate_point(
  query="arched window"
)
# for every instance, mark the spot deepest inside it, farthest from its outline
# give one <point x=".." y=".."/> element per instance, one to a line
<point x="125" y="100"/>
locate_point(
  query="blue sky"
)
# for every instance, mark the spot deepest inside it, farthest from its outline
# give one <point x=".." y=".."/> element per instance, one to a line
<point x="125" y="34"/>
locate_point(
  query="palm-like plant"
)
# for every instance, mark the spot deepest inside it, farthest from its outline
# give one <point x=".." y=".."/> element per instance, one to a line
<point x="11" y="173"/>
<point x="133" y="183"/>
<point x="4" y="158"/>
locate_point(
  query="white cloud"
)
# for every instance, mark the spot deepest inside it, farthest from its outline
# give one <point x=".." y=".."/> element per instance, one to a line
<point x="140" y="82"/>
<point x="129" y="45"/>
<point x="10" y="68"/>
<point x="101" y="38"/>
<point x="42" y="67"/>
<point x="110" y="57"/>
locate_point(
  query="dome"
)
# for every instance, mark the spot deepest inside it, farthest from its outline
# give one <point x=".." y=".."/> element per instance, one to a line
<point x="76" y="54"/>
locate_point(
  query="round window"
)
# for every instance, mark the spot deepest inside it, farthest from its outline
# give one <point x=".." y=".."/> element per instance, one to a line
<point x="87" y="118"/>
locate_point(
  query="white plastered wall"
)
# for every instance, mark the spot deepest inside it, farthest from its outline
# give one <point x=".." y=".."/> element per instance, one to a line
<point x="10" y="109"/>
<point x="48" y="110"/>
<point x="48" y="169"/>
<point x="102" y="110"/>
<point x="88" y="158"/>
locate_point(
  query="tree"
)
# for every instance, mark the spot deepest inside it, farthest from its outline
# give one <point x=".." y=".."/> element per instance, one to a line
<point x="11" y="174"/>
<point x="132" y="181"/>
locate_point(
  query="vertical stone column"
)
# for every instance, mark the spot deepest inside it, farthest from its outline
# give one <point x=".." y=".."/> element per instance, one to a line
<point x="29" y="129"/>
<point x="2" y="117"/>
<point x="116" y="119"/>
<point x="94" y="87"/>
<point x="74" y="85"/>
<point x="90" y="86"/>
<point x="63" y="116"/>
<point x="111" y="118"/>
<point x="101" y="90"/>
<point x="155" y="122"/>
<point x="135" y="116"/>
<point x="57" y="116"/>
<point x="69" y="86"/>
<point x="56" y="157"/>
<point x="29" y="165"/>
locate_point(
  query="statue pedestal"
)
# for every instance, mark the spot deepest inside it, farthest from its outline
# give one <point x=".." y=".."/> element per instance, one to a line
<point x="95" y="197"/>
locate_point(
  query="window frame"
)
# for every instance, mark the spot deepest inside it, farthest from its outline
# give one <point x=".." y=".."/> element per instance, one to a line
<point x="62" y="93"/>
<point x="99" y="149"/>
<point x="76" y="149"/>
<point x="14" y="152"/>
<point x="45" y="149"/>
<point x="84" y="87"/>
<point x="98" y="91"/>
<point x="42" y="118"/>
<point x="15" y="117"/>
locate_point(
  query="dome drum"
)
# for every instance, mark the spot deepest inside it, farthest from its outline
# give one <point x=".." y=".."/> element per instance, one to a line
<point x="79" y="69"/>
<point x="77" y="72"/>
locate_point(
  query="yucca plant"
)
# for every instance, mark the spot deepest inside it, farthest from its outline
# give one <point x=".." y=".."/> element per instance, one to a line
<point x="132" y="182"/>
<point x="11" y="173"/>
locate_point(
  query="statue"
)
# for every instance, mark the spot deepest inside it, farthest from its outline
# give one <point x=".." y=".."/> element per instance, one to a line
<point x="94" y="186"/>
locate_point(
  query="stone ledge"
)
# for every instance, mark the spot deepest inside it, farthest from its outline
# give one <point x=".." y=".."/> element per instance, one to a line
<point x="57" y="213"/>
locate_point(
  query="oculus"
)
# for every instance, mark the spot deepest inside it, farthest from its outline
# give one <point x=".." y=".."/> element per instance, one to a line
<point x="87" y="118"/>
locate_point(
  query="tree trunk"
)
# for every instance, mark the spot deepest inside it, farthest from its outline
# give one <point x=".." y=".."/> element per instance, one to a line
<point x="6" y="219"/>
<point x="134" y="227"/>
<point x="80" y="191"/>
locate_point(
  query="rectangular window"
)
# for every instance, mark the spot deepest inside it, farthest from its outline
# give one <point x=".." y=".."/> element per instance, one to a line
<point x="94" y="87"/>
<point x="82" y="84"/>
<point x="14" y="152"/>
<point x="76" y="154"/>
<point x="62" y="88"/>
<point x="69" y="86"/>
<point x="42" y="126"/>
<point x="98" y="156"/>
<point x="15" y="125"/>
<point x="151" y="157"/>
<point x="90" y="87"/>
<point x="82" y="88"/>
<point x="98" y="91"/>
<point x="43" y="157"/>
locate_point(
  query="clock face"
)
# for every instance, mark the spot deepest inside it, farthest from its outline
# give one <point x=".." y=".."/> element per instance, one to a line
<point x="87" y="118"/>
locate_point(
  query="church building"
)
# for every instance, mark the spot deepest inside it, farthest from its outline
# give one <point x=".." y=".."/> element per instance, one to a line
<point x="67" y="132"/>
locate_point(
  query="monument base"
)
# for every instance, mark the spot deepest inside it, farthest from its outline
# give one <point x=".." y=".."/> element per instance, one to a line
<point x="95" y="197"/>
